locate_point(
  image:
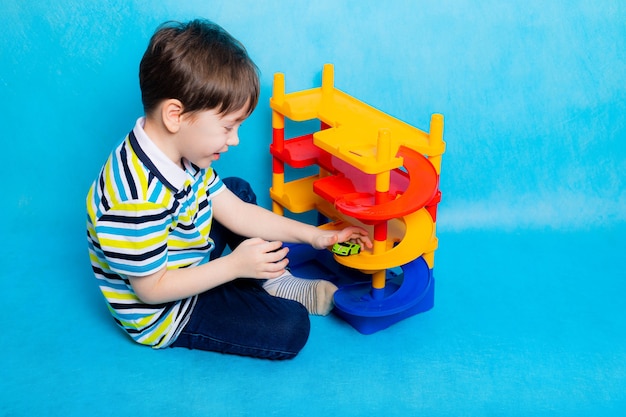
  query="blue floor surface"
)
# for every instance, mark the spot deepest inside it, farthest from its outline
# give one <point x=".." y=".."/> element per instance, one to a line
<point x="526" y="323"/>
<point x="529" y="316"/>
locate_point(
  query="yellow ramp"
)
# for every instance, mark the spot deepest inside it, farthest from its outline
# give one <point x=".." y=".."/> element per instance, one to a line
<point x="419" y="238"/>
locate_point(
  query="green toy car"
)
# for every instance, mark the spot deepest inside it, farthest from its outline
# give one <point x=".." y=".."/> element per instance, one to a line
<point x="346" y="248"/>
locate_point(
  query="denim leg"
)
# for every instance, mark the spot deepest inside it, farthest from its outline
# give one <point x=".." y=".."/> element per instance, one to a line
<point x="241" y="318"/>
<point x="222" y="236"/>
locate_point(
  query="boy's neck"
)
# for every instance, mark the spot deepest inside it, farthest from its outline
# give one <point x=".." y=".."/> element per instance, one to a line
<point x="162" y="138"/>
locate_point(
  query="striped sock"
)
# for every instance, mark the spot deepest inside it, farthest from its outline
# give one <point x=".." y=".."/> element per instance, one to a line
<point x="315" y="294"/>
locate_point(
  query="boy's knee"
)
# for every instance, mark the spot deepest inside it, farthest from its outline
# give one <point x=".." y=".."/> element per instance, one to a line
<point x="241" y="188"/>
<point x="296" y="329"/>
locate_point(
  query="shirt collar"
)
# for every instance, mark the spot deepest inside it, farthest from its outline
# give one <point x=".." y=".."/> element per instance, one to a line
<point x="157" y="162"/>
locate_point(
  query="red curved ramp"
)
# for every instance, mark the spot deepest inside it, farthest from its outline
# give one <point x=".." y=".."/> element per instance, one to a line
<point x="422" y="187"/>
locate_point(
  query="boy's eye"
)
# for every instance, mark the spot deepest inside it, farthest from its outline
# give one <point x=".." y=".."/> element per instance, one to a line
<point x="228" y="128"/>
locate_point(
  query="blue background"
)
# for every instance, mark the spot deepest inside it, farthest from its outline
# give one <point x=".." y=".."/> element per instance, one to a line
<point x="529" y="316"/>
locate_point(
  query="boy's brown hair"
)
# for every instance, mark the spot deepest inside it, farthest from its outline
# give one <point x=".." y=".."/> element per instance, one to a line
<point x="200" y="64"/>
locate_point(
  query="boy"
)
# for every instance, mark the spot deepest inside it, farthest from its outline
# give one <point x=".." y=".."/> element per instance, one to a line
<point x="151" y="209"/>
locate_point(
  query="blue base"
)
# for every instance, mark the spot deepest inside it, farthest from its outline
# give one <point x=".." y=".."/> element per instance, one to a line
<point x="368" y="311"/>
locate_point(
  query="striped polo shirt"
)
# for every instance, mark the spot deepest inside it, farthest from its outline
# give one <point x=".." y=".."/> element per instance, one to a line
<point x="144" y="213"/>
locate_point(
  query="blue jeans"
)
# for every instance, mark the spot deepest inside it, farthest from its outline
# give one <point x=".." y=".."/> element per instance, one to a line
<point x="240" y="317"/>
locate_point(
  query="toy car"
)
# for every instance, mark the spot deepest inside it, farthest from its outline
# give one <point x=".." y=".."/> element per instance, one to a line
<point x="346" y="248"/>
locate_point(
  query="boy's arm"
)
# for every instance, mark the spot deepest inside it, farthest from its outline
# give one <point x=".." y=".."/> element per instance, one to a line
<point x="251" y="220"/>
<point x="253" y="258"/>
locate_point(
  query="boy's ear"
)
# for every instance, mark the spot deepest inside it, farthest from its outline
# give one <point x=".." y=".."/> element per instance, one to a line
<point x="171" y="112"/>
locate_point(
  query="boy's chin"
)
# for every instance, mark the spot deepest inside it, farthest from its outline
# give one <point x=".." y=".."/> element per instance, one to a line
<point x="207" y="162"/>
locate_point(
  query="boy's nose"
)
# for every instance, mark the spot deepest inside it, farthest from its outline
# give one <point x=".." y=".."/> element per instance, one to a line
<point x="233" y="140"/>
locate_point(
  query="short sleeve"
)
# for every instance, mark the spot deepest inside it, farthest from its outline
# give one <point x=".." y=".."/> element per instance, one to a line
<point x="214" y="183"/>
<point x="133" y="237"/>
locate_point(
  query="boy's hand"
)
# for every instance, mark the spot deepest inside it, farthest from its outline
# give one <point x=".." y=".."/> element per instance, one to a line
<point x="352" y="233"/>
<point x="260" y="259"/>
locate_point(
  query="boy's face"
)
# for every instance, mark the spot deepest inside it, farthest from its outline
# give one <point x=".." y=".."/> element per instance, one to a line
<point x="205" y="135"/>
